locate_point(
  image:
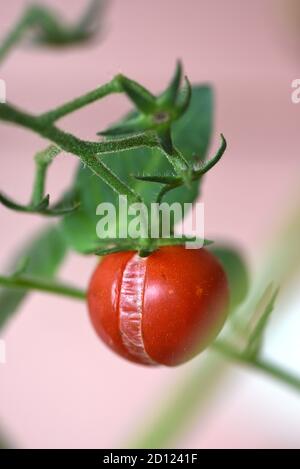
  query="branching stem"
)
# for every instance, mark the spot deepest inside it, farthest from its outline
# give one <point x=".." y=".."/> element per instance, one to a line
<point x="88" y="152"/>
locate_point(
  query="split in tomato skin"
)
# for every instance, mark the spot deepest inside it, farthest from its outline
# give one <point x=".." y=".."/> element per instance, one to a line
<point x="103" y="300"/>
<point x="159" y="310"/>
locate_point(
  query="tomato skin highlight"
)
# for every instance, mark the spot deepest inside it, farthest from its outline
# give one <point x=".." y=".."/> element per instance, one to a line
<point x="185" y="298"/>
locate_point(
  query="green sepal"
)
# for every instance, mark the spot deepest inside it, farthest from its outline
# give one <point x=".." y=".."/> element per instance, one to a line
<point x="153" y="113"/>
<point x="41" y="206"/>
<point x="160" y="179"/>
<point x="213" y="161"/>
<point x="174" y="241"/>
<point x="140" y="96"/>
<point x="114" y="245"/>
<point x="105" y="251"/>
<point x="40" y="209"/>
<point x="168" y="97"/>
<point x="12" y="205"/>
<point x="59" y="212"/>
<point x="184" y="98"/>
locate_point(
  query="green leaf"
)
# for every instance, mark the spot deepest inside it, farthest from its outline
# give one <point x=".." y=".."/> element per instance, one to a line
<point x="191" y="134"/>
<point x="235" y="267"/>
<point x="44" y="255"/>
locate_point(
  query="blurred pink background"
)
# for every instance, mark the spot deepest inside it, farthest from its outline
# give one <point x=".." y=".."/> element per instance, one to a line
<point x="60" y="386"/>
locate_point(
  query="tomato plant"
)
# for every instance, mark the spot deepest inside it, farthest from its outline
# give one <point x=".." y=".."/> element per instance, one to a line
<point x="153" y="302"/>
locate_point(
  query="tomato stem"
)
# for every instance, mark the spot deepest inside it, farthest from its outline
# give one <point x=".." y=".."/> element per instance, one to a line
<point x="43" y="285"/>
<point x="223" y="348"/>
<point x="265" y="366"/>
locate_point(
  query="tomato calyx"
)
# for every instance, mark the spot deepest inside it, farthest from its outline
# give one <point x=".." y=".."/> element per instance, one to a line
<point x="142" y="246"/>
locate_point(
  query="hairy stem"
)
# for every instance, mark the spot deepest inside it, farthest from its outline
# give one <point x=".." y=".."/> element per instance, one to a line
<point x="43" y="159"/>
<point x="88" y="152"/>
<point x="70" y="143"/>
<point x="174" y="156"/>
<point x="39" y="185"/>
<point x="109" y="88"/>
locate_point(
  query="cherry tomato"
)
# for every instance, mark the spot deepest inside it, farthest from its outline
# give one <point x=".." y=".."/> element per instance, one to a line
<point x="161" y="309"/>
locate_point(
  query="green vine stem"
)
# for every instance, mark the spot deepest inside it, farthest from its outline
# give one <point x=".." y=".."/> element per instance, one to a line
<point x="152" y="128"/>
<point x="219" y="346"/>
<point x="39" y="203"/>
<point x="258" y="363"/>
<point x="74" y="105"/>
<point x="157" y="136"/>
<point x="68" y="142"/>
<point x="88" y="152"/>
<point x="42" y="161"/>
<point x="38" y="284"/>
<point x="47" y="28"/>
<point x="174" y="156"/>
<point x="15" y="35"/>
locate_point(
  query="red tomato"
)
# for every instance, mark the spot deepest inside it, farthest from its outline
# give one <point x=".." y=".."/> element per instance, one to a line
<point x="162" y="309"/>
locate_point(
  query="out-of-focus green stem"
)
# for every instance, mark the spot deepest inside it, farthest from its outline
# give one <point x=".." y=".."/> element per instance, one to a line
<point x="14" y="36"/>
<point x="194" y="391"/>
<point x="221" y="347"/>
<point x="47" y="286"/>
<point x="265" y="366"/>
